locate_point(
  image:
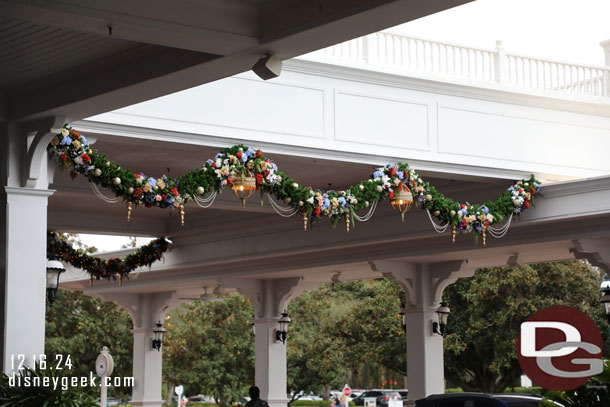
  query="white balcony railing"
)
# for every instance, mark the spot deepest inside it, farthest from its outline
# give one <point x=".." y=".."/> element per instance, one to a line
<point x="410" y="55"/>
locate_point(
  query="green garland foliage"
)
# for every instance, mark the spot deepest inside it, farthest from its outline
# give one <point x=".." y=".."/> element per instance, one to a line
<point x="233" y="164"/>
<point x="99" y="268"/>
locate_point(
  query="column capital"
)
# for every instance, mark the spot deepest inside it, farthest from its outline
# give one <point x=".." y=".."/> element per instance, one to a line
<point x="423" y="282"/>
<point x="145" y="309"/>
<point x="270" y="297"/>
<point x="29" y="191"/>
<point x="38" y="136"/>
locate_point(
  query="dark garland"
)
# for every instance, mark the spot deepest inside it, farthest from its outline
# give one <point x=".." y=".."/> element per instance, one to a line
<point x="99" y="268"/>
<point x="71" y="150"/>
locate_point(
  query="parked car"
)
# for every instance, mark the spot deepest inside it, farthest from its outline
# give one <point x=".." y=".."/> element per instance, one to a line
<point x="483" y="400"/>
<point x="382" y="397"/>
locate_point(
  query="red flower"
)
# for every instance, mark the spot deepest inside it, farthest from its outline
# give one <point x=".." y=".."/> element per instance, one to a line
<point x="259" y="179"/>
<point x="393" y="172"/>
<point x="63" y="157"/>
<point x="163" y="196"/>
<point x="137" y="176"/>
<point x="175" y="191"/>
<point x="213" y="165"/>
<point x="391" y="194"/>
<point x="258" y="154"/>
<point x="239" y="154"/>
<point x="74" y="174"/>
<point x="532" y="190"/>
<point x="527" y="204"/>
<point x="229" y="181"/>
<point x="86" y="158"/>
<point x="317" y="211"/>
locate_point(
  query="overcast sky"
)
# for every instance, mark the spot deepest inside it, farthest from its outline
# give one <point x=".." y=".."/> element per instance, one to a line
<point x="566" y="30"/>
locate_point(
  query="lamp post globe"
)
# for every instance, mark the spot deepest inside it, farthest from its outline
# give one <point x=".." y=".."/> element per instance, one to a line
<point x="54" y="270"/>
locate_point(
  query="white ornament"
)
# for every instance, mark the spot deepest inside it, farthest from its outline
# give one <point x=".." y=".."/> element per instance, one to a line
<point x="97" y="172"/>
<point x="107" y="163"/>
<point x="279" y="178"/>
<point x="301" y="203"/>
<point x="452" y="213"/>
<point x="200" y="190"/>
<point x="361" y="187"/>
<point x="116" y="181"/>
<point x="428" y="197"/>
<point x="517" y="203"/>
<point x="379" y="188"/>
<point x="295" y="185"/>
<point x="130" y="190"/>
<point x="436" y="213"/>
<point x="287" y="200"/>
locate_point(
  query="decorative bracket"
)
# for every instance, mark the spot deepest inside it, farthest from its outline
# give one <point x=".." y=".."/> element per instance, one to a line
<point x="38" y="136"/>
<point x="596" y="252"/>
<point x="270" y="297"/>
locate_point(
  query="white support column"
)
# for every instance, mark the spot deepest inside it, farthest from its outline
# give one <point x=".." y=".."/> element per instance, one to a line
<point x="146" y="310"/>
<point x="24" y="178"/>
<point x="423" y="285"/>
<point x="270" y="298"/>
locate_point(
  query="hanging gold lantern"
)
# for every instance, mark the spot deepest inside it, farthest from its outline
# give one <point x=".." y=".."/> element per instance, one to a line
<point x="402" y="201"/>
<point x="243" y="187"/>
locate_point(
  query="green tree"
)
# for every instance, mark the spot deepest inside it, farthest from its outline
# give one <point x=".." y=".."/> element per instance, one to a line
<point x="80" y="326"/>
<point x="488" y="309"/>
<point x="209" y="348"/>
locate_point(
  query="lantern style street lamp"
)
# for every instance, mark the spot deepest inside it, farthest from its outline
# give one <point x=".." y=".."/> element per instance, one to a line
<point x="443" y="313"/>
<point x="54" y="270"/>
<point x="605" y="300"/>
<point x="403" y="318"/>
<point x="158" y="332"/>
<point x="280" y="334"/>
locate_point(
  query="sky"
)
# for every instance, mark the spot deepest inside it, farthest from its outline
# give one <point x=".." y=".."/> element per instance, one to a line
<point x="563" y="30"/>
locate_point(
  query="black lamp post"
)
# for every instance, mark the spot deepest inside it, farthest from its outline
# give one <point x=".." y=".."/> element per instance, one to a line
<point x="54" y="270"/>
<point x="403" y="318"/>
<point x="443" y="313"/>
<point x="280" y="334"/>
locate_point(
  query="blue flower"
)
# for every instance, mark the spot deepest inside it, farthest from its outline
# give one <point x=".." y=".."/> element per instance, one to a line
<point x="170" y="201"/>
<point x="342" y="201"/>
<point x="142" y="176"/>
<point x="378" y="174"/>
<point x="250" y="152"/>
<point x="325" y="203"/>
<point x="149" y="198"/>
<point x="83" y="140"/>
<point x="220" y="155"/>
<point x="244" y="158"/>
<point x="485" y="209"/>
<point x="401" y="175"/>
<point x="210" y="161"/>
<point x="152" y="182"/>
<point x="66" y="141"/>
<point x="274" y="166"/>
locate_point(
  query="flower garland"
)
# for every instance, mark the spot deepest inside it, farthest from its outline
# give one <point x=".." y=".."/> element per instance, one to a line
<point x="99" y="268"/>
<point x="71" y="150"/>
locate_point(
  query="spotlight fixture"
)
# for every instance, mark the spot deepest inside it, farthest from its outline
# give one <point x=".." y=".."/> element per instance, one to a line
<point x="268" y="67"/>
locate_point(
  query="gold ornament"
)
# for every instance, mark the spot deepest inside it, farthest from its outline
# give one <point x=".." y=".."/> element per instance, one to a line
<point x="129" y="208"/>
<point x="181" y="206"/>
<point x="453" y="233"/>
<point x="305" y="221"/>
<point x="347" y="223"/>
<point x="484" y="236"/>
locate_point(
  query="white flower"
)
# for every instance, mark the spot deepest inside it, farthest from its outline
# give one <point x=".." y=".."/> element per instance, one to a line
<point x="489" y="217"/>
<point x="396" y="181"/>
<point x="78" y="160"/>
<point x="295" y="185"/>
<point x="218" y="163"/>
<point x="65" y="132"/>
<point x="310" y="200"/>
<point x="361" y="187"/>
<point x="353" y="201"/>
